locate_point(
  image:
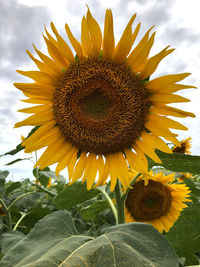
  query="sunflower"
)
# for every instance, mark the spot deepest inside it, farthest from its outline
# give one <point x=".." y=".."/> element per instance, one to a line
<point x="158" y="203"/>
<point x="184" y="176"/>
<point x="184" y="146"/>
<point x="97" y="110"/>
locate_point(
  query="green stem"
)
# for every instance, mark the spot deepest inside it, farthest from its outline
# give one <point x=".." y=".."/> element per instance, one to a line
<point x="119" y="204"/>
<point x="7" y="213"/>
<point x="19" y="221"/>
<point x="20" y="197"/>
<point x="110" y="203"/>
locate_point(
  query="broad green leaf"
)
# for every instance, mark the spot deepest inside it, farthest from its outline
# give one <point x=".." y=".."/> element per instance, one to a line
<point x="89" y="213"/>
<point x="9" y="240"/>
<point x="174" y="162"/>
<point x="54" y="241"/>
<point x="185" y="234"/>
<point x="73" y="195"/>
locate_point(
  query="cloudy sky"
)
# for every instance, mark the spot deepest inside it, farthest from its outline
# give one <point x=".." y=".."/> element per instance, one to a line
<point x="22" y="23"/>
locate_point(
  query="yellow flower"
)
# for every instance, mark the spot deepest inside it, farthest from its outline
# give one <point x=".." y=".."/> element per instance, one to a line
<point x="98" y="112"/>
<point x="158" y="203"/>
<point x="183" y="176"/>
<point x="184" y="147"/>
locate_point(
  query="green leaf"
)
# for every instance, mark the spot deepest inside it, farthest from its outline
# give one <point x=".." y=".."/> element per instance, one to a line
<point x="9" y="240"/>
<point x="54" y="241"/>
<point x="90" y="213"/>
<point x="16" y="160"/>
<point x="185" y="234"/>
<point x="12" y="187"/>
<point x="18" y="148"/>
<point x="73" y="195"/>
<point x="3" y="175"/>
<point x="174" y="162"/>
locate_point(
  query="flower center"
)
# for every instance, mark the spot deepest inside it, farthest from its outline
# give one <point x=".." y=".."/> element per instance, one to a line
<point x="100" y="106"/>
<point x="146" y="203"/>
<point x="95" y="104"/>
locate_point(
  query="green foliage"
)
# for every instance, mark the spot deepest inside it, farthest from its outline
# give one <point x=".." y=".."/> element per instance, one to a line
<point x="90" y="212"/>
<point x="73" y="195"/>
<point x="55" y="241"/>
<point x="185" y="234"/>
<point x="178" y="162"/>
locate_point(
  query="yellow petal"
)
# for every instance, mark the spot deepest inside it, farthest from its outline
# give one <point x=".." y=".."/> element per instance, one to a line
<point x="104" y="174"/>
<point x="158" y="130"/>
<point x="125" y="43"/>
<point x="135" y="161"/>
<point x="173" y="140"/>
<point x="137" y="50"/>
<point x="76" y="45"/>
<point x="71" y="164"/>
<point x="80" y="167"/>
<point x="167" y="123"/>
<point x="123" y="170"/>
<point x="85" y="39"/>
<point x="156" y="142"/>
<point x="49" y="62"/>
<point x="65" y="160"/>
<point x="35" y="109"/>
<point x="41" y="66"/>
<point x="144" y="53"/>
<point x="52" y="154"/>
<point x="113" y="164"/>
<point x="91" y="170"/>
<point x="170" y="111"/>
<point x="166" y="99"/>
<point x="147" y="148"/>
<point x="52" y="40"/>
<point x="95" y="33"/>
<point x="108" y="40"/>
<point x="36" y="100"/>
<point x="43" y="90"/>
<point x="37" y="119"/>
<point x="64" y="48"/>
<point x="38" y="76"/>
<point x="56" y="54"/>
<point x="153" y="62"/>
<point x="164" y="81"/>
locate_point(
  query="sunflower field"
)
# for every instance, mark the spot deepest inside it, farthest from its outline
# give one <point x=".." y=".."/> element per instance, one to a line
<point x="131" y="195"/>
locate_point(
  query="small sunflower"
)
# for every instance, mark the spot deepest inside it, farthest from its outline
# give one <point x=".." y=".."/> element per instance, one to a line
<point x="184" y="176"/>
<point x="158" y="203"/>
<point x="184" y="146"/>
<point x="97" y="110"/>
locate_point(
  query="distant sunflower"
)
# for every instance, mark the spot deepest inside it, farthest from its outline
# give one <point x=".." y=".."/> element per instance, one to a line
<point x="184" y="176"/>
<point x="98" y="112"/>
<point x="158" y="203"/>
<point x="184" y="146"/>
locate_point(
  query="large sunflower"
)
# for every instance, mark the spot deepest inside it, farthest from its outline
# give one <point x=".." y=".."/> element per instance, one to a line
<point x="98" y="112"/>
<point x="158" y="203"/>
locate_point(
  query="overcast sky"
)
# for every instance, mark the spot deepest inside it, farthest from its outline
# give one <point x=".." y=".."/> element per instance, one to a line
<point x="22" y="23"/>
